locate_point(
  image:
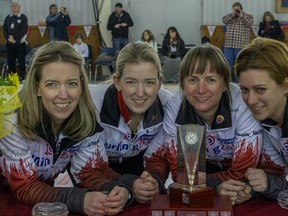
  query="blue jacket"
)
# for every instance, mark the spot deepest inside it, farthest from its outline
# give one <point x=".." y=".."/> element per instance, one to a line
<point x="57" y="26"/>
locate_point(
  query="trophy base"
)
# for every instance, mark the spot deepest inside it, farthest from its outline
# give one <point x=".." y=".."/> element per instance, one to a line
<point x="191" y="195"/>
<point x="161" y="206"/>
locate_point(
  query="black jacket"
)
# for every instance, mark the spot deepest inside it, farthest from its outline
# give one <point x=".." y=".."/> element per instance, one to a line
<point x="16" y="26"/>
<point x="115" y="19"/>
<point x="180" y="48"/>
<point x="272" y="30"/>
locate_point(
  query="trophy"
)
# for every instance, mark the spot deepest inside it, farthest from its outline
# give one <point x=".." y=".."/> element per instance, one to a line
<point x="190" y="186"/>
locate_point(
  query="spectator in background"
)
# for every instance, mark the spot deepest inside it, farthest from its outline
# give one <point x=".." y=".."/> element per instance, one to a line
<point x="57" y="124"/>
<point x="57" y="23"/>
<point x="172" y="52"/>
<point x="119" y="23"/>
<point x="81" y="47"/>
<point x="237" y="35"/>
<point x="270" y="28"/>
<point x="148" y="37"/>
<point x="15" y="32"/>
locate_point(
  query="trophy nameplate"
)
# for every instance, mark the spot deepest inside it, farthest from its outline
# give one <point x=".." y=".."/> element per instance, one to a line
<point x="190" y="186"/>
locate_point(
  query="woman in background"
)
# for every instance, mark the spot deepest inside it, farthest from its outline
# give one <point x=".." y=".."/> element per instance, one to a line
<point x="172" y="52"/>
<point x="270" y="28"/>
<point x="148" y="37"/>
<point x="56" y="129"/>
<point x="262" y="68"/>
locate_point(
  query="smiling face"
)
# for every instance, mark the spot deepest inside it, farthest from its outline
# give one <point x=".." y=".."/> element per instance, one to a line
<point x="139" y="85"/>
<point x="60" y="90"/>
<point x="264" y="97"/>
<point x="204" y="91"/>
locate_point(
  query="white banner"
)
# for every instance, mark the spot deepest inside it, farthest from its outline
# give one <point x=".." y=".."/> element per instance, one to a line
<point x="42" y="30"/>
<point x="211" y="30"/>
<point x="255" y="29"/>
<point x="87" y="30"/>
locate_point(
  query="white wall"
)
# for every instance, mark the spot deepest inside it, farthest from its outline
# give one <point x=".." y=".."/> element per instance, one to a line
<point x="157" y="15"/>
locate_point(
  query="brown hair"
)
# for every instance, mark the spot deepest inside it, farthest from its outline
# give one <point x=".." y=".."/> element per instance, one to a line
<point x="237" y="4"/>
<point x="202" y="55"/>
<point x="267" y="55"/>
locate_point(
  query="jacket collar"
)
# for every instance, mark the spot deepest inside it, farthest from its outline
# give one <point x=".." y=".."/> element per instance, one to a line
<point x="45" y="132"/>
<point x="113" y="109"/>
<point x="284" y="125"/>
<point x="188" y="115"/>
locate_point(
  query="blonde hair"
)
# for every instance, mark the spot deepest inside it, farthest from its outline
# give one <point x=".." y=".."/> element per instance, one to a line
<point x="135" y="53"/>
<point x="82" y="122"/>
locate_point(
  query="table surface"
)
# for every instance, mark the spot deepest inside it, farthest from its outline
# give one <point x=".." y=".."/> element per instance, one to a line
<point x="10" y="206"/>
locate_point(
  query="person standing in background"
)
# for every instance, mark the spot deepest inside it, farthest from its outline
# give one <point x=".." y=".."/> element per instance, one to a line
<point x="57" y="23"/>
<point x="15" y="32"/>
<point x="270" y="28"/>
<point x="119" y="23"/>
<point x="237" y="35"/>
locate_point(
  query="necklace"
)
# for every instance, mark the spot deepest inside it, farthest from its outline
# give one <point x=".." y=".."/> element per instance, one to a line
<point x="134" y="124"/>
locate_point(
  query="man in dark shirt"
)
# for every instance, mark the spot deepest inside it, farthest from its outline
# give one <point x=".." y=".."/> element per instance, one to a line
<point x="57" y="23"/>
<point x="119" y="23"/>
<point x="15" y="32"/>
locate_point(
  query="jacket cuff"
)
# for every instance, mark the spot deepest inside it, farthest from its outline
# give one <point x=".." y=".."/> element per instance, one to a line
<point x="161" y="184"/>
<point x="212" y="182"/>
<point x="75" y="202"/>
<point x="110" y="185"/>
<point x="128" y="179"/>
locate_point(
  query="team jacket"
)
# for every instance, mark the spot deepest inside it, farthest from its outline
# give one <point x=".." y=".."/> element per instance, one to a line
<point x="274" y="155"/>
<point x="233" y="142"/>
<point x="117" y="135"/>
<point x="31" y="166"/>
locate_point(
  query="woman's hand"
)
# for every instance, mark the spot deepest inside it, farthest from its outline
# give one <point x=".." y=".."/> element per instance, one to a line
<point x="94" y="203"/>
<point x="116" y="200"/>
<point x="257" y="179"/>
<point x="145" y="188"/>
<point x="230" y="188"/>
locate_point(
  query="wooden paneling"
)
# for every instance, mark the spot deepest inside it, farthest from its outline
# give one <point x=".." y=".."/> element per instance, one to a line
<point x="217" y="38"/>
<point x="34" y="37"/>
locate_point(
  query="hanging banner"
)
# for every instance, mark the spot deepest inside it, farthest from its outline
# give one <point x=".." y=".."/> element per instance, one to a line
<point x="211" y="30"/>
<point x="255" y="29"/>
<point x="72" y="30"/>
<point x="87" y="30"/>
<point x="42" y="30"/>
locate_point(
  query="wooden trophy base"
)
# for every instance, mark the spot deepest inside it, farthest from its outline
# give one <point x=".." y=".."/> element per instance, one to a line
<point x="191" y="195"/>
<point x="161" y="206"/>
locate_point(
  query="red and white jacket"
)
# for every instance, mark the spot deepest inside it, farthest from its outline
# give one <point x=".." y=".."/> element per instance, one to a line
<point x="119" y="143"/>
<point x="31" y="166"/>
<point x="233" y="142"/>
